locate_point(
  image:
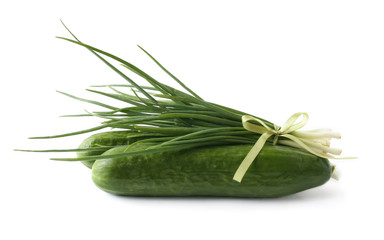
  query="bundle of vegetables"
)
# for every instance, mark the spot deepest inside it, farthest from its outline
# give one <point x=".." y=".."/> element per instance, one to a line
<point x="168" y="142"/>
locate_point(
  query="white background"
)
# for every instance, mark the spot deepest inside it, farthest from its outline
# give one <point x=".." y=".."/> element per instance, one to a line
<point x="269" y="58"/>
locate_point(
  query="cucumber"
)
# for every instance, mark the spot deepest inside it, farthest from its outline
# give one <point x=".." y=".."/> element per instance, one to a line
<point x="112" y="139"/>
<point x="208" y="171"/>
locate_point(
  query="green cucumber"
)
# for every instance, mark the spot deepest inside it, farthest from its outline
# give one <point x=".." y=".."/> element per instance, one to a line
<point x="105" y="139"/>
<point x="208" y="171"/>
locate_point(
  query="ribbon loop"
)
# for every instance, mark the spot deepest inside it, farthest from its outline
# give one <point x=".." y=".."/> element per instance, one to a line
<point x="289" y="125"/>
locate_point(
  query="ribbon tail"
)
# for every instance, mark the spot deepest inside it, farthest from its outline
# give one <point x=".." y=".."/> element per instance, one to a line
<point x="252" y="154"/>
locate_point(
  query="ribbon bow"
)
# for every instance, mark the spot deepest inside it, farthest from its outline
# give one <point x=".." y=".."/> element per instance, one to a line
<point x="316" y="141"/>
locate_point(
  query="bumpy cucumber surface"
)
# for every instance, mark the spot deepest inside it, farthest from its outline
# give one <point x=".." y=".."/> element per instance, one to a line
<point x="208" y="171"/>
<point x="105" y="139"/>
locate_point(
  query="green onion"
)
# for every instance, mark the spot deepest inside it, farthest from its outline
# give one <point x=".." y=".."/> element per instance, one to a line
<point x="172" y="119"/>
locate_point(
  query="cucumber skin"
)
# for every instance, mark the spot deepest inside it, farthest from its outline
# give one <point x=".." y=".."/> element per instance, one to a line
<point x="208" y="171"/>
<point x="111" y="138"/>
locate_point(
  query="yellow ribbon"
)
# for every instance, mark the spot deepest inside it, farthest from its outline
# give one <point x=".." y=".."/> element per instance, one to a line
<point x="315" y="141"/>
